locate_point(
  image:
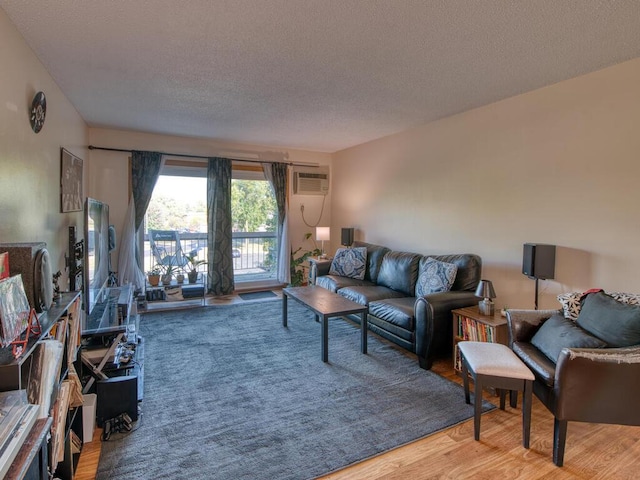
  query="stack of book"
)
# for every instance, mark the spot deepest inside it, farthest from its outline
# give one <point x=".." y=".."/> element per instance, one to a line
<point x="17" y="418"/>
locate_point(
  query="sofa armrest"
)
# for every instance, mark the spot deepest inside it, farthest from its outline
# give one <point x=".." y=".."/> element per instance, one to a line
<point x="598" y="385"/>
<point x="318" y="268"/>
<point x="523" y="324"/>
<point x="433" y="322"/>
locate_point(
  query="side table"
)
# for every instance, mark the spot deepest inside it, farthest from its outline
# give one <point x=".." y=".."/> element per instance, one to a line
<point x="470" y="324"/>
<point x="320" y="264"/>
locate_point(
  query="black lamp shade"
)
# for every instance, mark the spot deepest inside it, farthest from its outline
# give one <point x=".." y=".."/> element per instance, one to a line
<point x="485" y="289"/>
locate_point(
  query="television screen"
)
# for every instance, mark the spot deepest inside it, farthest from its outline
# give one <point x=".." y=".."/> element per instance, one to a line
<point x="96" y="251"/>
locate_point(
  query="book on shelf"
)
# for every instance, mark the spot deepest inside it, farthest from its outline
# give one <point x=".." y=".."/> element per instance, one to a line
<point x="75" y="321"/>
<point x="469" y="329"/>
<point x="17" y="421"/>
<point x="60" y="409"/>
<point x="44" y="374"/>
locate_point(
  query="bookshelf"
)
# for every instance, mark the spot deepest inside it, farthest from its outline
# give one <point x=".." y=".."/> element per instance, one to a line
<point x="61" y="322"/>
<point x="470" y="324"/>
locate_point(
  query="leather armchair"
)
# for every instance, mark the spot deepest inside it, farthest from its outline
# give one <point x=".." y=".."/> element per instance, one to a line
<point x="585" y="385"/>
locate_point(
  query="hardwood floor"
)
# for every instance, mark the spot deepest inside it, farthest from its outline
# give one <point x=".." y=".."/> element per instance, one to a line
<point x="592" y="451"/>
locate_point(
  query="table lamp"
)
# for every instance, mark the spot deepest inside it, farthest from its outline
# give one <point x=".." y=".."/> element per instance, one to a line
<point x="322" y="234"/>
<point x="486" y="292"/>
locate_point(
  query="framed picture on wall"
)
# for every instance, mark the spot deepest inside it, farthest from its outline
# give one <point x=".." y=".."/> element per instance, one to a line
<point x="70" y="182"/>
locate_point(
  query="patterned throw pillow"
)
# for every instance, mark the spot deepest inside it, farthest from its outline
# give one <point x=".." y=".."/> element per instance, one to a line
<point x="628" y="298"/>
<point x="572" y="302"/>
<point x="350" y="262"/>
<point x="435" y="276"/>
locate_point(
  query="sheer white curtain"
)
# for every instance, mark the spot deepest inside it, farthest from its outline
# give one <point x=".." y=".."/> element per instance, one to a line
<point x="128" y="269"/>
<point x="145" y="169"/>
<point x="277" y="175"/>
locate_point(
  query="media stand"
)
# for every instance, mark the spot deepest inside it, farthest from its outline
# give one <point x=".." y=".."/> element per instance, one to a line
<point x="111" y="346"/>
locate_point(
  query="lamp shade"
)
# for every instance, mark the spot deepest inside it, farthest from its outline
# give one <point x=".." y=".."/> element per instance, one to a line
<point x="485" y="289"/>
<point x="323" y="233"/>
<point x="347" y="237"/>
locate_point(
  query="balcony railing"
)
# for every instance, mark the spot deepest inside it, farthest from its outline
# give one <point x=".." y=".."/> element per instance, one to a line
<point x="254" y="253"/>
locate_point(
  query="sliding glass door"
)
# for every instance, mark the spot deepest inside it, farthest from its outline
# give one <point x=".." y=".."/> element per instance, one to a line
<point x="179" y="204"/>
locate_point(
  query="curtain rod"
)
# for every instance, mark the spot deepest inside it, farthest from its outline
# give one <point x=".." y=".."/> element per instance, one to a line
<point x="285" y="155"/>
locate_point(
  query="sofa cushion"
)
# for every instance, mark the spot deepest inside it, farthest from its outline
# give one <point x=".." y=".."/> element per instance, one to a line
<point x="397" y="311"/>
<point x="333" y="283"/>
<point x="469" y="270"/>
<point x="399" y="272"/>
<point x="349" y="262"/>
<point x="375" y="253"/>
<point x="434" y="276"/>
<point x="615" y="322"/>
<point x="543" y="368"/>
<point x="559" y="332"/>
<point x="367" y="294"/>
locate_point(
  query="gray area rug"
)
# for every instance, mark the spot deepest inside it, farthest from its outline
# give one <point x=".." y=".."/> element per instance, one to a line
<point x="232" y="394"/>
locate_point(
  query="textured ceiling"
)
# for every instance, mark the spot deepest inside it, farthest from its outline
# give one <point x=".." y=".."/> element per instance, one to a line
<point x="312" y="74"/>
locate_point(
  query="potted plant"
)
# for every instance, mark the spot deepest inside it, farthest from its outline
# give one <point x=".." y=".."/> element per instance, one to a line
<point x="180" y="276"/>
<point x="153" y="276"/>
<point x="297" y="267"/>
<point x="167" y="275"/>
<point x="193" y="265"/>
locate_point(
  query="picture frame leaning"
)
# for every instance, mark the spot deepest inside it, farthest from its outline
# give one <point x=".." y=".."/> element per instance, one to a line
<point x="70" y="182"/>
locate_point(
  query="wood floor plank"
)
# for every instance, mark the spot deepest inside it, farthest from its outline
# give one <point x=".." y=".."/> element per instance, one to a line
<point x="593" y="451"/>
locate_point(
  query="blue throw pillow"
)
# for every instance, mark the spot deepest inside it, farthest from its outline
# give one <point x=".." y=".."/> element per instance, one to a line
<point x="350" y="262"/>
<point x="435" y="276"/>
<point x="559" y="332"/>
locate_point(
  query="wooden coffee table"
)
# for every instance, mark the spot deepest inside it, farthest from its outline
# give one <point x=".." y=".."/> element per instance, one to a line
<point x="326" y="304"/>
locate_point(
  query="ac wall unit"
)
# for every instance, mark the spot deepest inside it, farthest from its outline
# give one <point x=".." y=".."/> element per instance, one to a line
<point x="311" y="181"/>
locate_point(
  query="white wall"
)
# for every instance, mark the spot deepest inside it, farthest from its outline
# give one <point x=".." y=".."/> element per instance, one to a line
<point x="559" y="165"/>
<point x="110" y="180"/>
<point x="29" y="162"/>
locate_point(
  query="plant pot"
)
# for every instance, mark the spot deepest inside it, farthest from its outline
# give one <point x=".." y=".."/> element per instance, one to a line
<point x="193" y="276"/>
<point x="154" y="280"/>
<point x="166" y="279"/>
<point x="180" y="278"/>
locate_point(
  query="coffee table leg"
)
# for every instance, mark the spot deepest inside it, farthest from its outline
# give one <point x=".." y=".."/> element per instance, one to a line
<point x="363" y="332"/>
<point x="284" y="310"/>
<point x="325" y="339"/>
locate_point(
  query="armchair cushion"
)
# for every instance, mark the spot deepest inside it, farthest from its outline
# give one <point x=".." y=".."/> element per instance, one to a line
<point x="349" y="262"/>
<point x="558" y="333"/>
<point x="615" y="322"/>
<point x="434" y="276"/>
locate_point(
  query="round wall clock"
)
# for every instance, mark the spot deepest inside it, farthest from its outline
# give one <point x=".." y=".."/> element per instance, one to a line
<point x="38" y="111"/>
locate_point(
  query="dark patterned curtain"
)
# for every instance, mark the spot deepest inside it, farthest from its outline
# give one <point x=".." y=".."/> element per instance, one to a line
<point x="277" y="174"/>
<point x="145" y="170"/>
<point x="219" y="259"/>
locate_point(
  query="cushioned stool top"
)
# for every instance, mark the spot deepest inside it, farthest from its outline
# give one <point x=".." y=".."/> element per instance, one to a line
<point x="494" y="359"/>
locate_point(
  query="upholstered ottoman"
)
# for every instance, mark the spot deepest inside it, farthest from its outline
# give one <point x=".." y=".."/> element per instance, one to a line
<point x="495" y="365"/>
